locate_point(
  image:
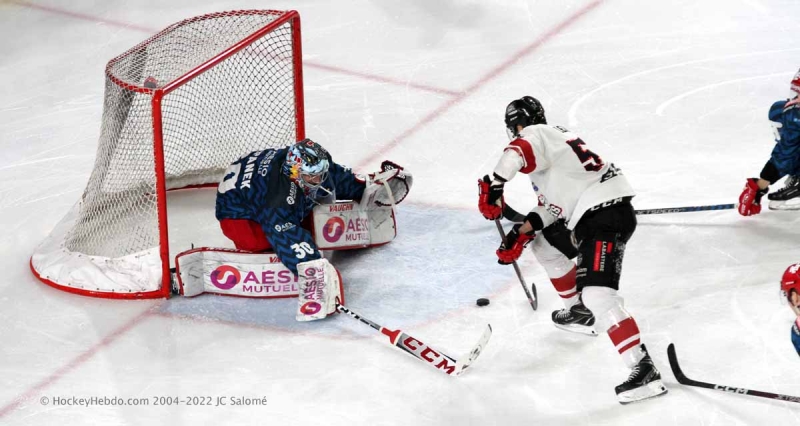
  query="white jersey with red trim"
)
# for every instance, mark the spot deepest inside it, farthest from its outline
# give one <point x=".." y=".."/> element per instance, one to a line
<point x="568" y="178"/>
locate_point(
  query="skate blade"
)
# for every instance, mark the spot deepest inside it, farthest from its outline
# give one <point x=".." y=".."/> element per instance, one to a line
<point x="650" y="390"/>
<point x="580" y="329"/>
<point x="792" y="204"/>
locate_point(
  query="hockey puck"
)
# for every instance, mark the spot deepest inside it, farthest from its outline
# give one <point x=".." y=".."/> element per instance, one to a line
<point x="482" y="301"/>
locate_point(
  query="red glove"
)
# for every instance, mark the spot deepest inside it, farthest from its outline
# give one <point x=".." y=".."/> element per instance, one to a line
<point x="750" y="200"/>
<point x="512" y="248"/>
<point x="490" y="199"/>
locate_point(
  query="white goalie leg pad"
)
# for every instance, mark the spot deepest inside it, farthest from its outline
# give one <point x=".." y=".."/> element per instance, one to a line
<point x="345" y="225"/>
<point x="320" y="288"/>
<point x="233" y="273"/>
<point x="609" y="311"/>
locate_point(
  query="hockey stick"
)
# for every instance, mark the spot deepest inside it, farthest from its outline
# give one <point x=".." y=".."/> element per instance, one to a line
<point x="682" y="379"/>
<point x="533" y="299"/>
<point x="423" y="352"/>
<point x="687" y="209"/>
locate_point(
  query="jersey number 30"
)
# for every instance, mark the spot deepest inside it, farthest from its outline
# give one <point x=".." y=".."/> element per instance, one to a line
<point x="590" y="161"/>
<point x="302" y="249"/>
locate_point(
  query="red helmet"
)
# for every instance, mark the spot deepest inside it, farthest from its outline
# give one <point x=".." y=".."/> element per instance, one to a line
<point x="795" y="85"/>
<point x="791" y="279"/>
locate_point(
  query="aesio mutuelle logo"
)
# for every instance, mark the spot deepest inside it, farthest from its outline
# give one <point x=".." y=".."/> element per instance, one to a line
<point x="225" y="277"/>
<point x="333" y="229"/>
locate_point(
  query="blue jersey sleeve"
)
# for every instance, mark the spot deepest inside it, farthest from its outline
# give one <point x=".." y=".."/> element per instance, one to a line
<point x="796" y="335"/>
<point x="786" y="154"/>
<point x="291" y="242"/>
<point x="349" y="186"/>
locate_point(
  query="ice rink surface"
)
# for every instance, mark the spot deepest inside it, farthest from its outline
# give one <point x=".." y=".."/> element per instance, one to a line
<point x="675" y="93"/>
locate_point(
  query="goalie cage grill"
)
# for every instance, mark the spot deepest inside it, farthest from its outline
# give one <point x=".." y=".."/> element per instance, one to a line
<point x="178" y="109"/>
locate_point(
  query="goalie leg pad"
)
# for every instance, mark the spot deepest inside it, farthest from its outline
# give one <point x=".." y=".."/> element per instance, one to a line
<point x="233" y="273"/>
<point x="320" y="290"/>
<point x="344" y="226"/>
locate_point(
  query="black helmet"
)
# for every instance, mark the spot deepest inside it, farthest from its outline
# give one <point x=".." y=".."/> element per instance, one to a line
<point x="524" y="112"/>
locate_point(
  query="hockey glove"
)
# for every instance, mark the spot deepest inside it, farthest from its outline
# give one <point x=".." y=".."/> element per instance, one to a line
<point x="512" y="248"/>
<point x="490" y="198"/>
<point x="387" y="187"/>
<point x="750" y="199"/>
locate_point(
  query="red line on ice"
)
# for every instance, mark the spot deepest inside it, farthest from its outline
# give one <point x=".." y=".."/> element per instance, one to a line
<point x="147" y="30"/>
<point x="75" y="363"/>
<point x="490" y="75"/>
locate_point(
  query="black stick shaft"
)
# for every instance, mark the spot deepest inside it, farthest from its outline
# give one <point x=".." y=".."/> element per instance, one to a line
<point x="688" y="209"/>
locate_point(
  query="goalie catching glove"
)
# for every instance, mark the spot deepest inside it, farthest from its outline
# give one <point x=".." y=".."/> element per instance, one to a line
<point x="511" y="249"/>
<point x="387" y="187"/>
<point x="490" y="198"/>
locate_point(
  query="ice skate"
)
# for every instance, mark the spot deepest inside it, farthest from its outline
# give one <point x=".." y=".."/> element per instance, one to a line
<point x="643" y="383"/>
<point x="577" y="319"/>
<point x="788" y="197"/>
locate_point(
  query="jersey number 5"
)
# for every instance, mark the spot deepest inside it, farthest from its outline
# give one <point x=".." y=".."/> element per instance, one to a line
<point x="590" y="161"/>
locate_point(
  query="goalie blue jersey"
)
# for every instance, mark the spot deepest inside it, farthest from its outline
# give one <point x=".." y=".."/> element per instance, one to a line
<point x="786" y="154"/>
<point x="255" y="188"/>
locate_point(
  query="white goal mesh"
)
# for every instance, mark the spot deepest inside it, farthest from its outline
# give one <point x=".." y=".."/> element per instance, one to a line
<point x="179" y="108"/>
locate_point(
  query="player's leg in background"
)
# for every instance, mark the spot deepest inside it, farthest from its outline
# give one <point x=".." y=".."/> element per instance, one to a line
<point x="603" y="235"/>
<point x="575" y="316"/>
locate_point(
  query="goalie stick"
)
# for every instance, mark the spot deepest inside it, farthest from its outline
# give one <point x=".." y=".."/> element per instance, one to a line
<point x="412" y="346"/>
<point x="682" y="379"/>
<point x="532" y="299"/>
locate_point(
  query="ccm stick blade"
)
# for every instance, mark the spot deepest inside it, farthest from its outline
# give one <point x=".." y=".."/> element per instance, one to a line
<point x="419" y="350"/>
<point x="682" y="379"/>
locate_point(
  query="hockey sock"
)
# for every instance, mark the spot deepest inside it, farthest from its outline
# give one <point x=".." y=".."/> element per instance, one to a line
<point x="625" y="337"/>
<point x="566" y="289"/>
<point x="610" y="314"/>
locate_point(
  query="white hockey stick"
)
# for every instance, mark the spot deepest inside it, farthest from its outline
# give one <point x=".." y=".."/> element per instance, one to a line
<point x="412" y="346"/>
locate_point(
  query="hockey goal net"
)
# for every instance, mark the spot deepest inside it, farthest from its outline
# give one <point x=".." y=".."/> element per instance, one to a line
<point x="178" y="109"/>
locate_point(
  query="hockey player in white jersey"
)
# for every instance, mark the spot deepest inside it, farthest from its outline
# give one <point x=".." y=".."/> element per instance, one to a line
<point x="582" y="195"/>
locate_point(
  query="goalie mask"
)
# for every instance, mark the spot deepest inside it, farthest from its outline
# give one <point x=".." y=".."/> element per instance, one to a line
<point x="307" y="165"/>
<point x="790" y="282"/>
<point x="524" y="112"/>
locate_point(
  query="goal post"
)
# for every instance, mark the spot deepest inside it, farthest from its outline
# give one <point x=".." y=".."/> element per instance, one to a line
<point x="178" y="108"/>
